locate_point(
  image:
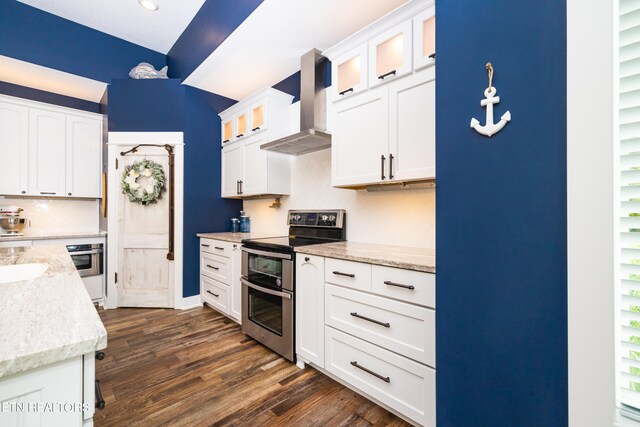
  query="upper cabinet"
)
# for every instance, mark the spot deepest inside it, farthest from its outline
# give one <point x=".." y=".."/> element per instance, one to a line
<point x="53" y="151"/>
<point x="390" y="54"/>
<point x="248" y="171"/>
<point x="424" y="38"/>
<point x="385" y="130"/>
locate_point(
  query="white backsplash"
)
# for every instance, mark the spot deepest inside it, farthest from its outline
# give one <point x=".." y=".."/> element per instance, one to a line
<point x="403" y="217"/>
<point x="50" y="216"/>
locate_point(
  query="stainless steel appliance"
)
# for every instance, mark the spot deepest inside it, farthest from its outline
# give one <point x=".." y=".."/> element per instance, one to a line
<point x="88" y="258"/>
<point x="268" y="276"/>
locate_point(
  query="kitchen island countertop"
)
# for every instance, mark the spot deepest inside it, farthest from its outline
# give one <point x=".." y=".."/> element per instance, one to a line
<point x="46" y="319"/>
<point x="419" y="259"/>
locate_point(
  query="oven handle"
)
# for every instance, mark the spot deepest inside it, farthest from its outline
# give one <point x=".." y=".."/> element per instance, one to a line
<point x="91" y="252"/>
<point x="266" y="291"/>
<point x="266" y="253"/>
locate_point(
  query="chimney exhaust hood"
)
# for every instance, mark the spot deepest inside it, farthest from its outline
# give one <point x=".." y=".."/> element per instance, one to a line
<point x="313" y="110"/>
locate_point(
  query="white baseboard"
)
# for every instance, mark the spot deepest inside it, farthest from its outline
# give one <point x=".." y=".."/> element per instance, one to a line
<point x="190" y="302"/>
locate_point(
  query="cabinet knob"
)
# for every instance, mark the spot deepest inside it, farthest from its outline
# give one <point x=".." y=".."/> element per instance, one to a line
<point x="307" y="259"/>
<point x="23" y="192"/>
<point x="69" y="194"/>
<point x="235" y="246"/>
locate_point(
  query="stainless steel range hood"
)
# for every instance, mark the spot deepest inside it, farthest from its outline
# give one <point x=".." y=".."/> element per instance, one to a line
<point x="313" y="110"/>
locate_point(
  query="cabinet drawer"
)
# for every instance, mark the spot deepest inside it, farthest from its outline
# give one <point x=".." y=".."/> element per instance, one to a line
<point x="351" y="274"/>
<point x="215" y="267"/>
<point x="412" y="286"/>
<point x="404" y="385"/>
<point x="215" y="294"/>
<point x="404" y="328"/>
<point x="215" y="247"/>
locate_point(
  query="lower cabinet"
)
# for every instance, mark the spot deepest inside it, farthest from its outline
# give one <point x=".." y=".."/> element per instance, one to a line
<point x="372" y="327"/>
<point x="220" y="286"/>
<point x="60" y="394"/>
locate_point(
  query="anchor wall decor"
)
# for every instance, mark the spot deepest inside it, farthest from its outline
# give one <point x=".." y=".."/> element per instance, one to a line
<point x="490" y="128"/>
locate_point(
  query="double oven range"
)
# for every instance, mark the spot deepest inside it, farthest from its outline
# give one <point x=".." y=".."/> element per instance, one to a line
<point x="268" y="276"/>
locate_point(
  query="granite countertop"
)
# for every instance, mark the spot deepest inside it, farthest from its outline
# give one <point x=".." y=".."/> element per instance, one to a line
<point x="419" y="259"/>
<point x="49" y="318"/>
<point x="234" y="237"/>
<point x="51" y="236"/>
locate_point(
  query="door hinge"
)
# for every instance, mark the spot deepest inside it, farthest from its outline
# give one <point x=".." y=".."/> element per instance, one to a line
<point x="116" y="163"/>
<point x="116" y="277"/>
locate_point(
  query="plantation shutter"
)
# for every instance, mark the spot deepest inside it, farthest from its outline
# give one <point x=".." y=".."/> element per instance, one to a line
<point x="629" y="121"/>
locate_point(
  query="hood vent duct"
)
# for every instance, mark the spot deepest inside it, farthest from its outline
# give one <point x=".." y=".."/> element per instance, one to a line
<point x="313" y="110"/>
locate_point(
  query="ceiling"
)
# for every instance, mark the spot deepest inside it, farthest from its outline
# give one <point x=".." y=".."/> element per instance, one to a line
<point x="267" y="46"/>
<point x="126" y="19"/>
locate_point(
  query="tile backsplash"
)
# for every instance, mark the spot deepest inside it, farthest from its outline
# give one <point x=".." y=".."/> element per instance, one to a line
<point x="402" y="217"/>
<point x="51" y="216"/>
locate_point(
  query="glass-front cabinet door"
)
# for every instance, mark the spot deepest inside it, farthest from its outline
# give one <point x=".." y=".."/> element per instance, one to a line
<point x="258" y="116"/>
<point x="350" y="73"/>
<point x="227" y="130"/>
<point x="241" y="124"/>
<point x="390" y="54"/>
<point x="424" y="38"/>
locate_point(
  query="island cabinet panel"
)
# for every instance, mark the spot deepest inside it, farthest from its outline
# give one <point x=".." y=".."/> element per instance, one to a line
<point x="58" y="383"/>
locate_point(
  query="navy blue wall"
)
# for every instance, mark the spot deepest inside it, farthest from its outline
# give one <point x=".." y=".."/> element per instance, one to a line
<point x="204" y="209"/>
<point x="501" y="216"/>
<point x="152" y="105"/>
<point x="213" y="23"/>
<point x="35" y="36"/>
<point x="48" y="97"/>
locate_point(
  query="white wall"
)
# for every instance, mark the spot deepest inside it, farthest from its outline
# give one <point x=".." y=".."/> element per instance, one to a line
<point x="590" y="204"/>
<point x="51" y="216"/>
<point x="403" y="217"/>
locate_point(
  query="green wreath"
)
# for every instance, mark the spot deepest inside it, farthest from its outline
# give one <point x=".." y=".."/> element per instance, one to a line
<point x="143" y="182"/>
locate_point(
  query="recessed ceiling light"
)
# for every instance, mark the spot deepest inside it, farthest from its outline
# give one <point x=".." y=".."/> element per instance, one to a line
<point x="149" y="5"/>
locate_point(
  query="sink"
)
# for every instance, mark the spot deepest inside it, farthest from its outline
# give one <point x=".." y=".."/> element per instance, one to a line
<point x="19" y="272"/>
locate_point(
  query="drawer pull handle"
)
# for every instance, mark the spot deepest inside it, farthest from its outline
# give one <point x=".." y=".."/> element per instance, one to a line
<point x="240" y="135"/>
<point x="399" y="285"/>
<point x="219" y="248"/>
<point x="370" y="372"/>
<point x="338" y="273"/>
<point x="204" y="246"/>
<point x="344" y="92"/>
<point x="255" y="129"/>
<point x="368" y="319"/>
<point x="215" y="295"/>
<point x="225" y="141"/>
<point x="48" y="192"/>
<point x="211" y="266"/>
<point x="432" y="56"/>
<point x="390" y="73"/>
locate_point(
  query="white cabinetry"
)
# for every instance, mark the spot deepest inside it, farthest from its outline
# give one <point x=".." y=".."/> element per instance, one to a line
<point x="51" y="151"/>
<point x="246" y="169"/>
<point x="372" y="327"/>
<point x="349" y="73"/>
<point x="385" y="131"/>
<point x="14" y="146"/>
<point x="424" y="38"/>
<point x="220" y="276"/>
<point x="309" y="308"/>
<point x="60" y="384"/>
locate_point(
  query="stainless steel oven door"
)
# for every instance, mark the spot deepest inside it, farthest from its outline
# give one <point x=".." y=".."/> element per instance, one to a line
<point x="268" y="269"/>
<point x="88" y="263"/>
<point x="267" y="316"/>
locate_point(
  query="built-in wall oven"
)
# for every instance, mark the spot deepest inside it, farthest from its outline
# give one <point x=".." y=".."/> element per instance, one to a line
<point x="268" y="277"/>
<point x="89" y="261"/>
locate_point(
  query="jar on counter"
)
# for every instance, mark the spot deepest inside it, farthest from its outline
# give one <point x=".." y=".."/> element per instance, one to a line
<point x="245" y="223"/>
<point x="235" y="225"/>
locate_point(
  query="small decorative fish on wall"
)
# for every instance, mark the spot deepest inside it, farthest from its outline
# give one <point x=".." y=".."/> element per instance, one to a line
<point x="146" y="71"/>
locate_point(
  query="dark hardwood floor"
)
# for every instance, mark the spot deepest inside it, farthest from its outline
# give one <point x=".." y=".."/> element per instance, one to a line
<point x="196" y="368"/>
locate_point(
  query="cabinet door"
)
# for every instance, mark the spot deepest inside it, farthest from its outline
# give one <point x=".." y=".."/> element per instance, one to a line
<point x="14" y="146"/>
<point x="231" y="169"/>
<point x="235" y="291"/>
<point x="84" y="157"/>
<point x="241" y="120"/>
<point x="46" y="153"/>
<point x="255" y="179"/>
<point x="360" y="139"/>
<point x="310" y="308"/>
<point x="412" y="144"/>
<point x="228" y="129"/>
<point x="349" y="73"/>
<point x="390" y="54"/>
<point x="258" y="117"/>
<point x="424" y="38"/>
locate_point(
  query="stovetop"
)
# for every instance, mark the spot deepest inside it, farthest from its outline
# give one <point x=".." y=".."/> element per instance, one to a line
<point x="284" y="243"/>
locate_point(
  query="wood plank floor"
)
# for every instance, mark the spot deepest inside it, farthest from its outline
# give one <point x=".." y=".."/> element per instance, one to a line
<point x="196" y="368"/>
